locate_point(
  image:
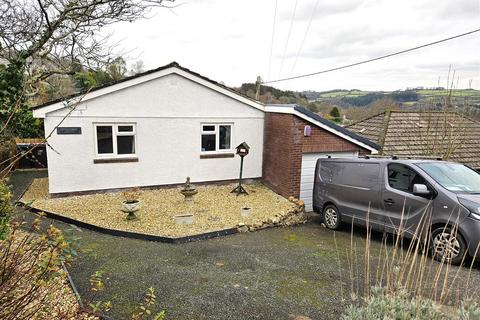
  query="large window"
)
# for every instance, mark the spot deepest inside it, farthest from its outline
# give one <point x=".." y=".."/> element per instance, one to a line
<point x="115" y="140"/>
<point x="216" y="137"/>
<point x="454" y="177"/>
<point x="402" y="177"/>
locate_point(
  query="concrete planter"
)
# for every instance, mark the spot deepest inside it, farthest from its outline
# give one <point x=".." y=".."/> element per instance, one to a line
<point x="183" y="219"/>
<point x="245" y="212"/>
<point x="130" y="208"/>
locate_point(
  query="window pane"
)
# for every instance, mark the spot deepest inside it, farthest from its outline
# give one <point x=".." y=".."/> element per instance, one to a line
<point x="225" y="137"/>
<point x="104" y="139"/>
<point x="125" y="144"/>
<point x="208" y="142"/>
<point x="125" y="128"/>
<point x="208" y="128"/>
<point x="403" y="178"/>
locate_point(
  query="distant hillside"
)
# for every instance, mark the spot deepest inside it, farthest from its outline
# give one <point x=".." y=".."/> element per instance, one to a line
<point x="405" y="98"/>
<point x="357" y="104"/>
<point x="273" y="95"/>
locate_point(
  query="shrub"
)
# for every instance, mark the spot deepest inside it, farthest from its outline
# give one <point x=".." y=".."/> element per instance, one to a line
<point x="131" y="195"/>
<point x="6" y="209"/>
<point x="32" y="274"/>
<point x="383" y="304"/>
<point x="398" y="305"/>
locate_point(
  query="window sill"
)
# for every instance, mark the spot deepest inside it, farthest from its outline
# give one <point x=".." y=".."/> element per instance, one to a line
<point x="217" y="155"/>
<point x="115" y="160"/>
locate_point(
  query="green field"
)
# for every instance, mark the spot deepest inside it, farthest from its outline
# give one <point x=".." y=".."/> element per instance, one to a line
<point x="469" y="96"/>
<point x="343" y="94"/>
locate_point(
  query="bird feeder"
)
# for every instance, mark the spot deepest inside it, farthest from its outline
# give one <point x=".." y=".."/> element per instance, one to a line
<point x="242" y="150"/>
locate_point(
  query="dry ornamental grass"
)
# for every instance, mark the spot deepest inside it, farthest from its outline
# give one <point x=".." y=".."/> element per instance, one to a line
<point x="214" y="208"/>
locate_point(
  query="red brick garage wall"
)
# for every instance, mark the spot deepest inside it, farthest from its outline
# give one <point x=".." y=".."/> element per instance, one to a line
<point x="284" y="145"/>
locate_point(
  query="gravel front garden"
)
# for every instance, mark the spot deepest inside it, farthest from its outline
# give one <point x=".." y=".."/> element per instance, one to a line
<point x="214" y="208"/>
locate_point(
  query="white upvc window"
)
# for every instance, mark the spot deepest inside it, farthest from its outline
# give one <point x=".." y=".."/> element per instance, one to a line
<point x="115" y="140"/>
<point x="216" y="137"/>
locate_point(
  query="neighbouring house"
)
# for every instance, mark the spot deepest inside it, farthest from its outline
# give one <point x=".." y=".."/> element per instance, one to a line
<point x="443" y="134"/>
<point x="35" y="151"/>
<point x="158" y="127"/>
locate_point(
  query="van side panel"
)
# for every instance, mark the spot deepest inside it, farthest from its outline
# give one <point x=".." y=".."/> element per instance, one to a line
<point x="353" y="186"/>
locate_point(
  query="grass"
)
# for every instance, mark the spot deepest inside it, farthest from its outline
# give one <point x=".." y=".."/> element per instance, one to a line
<point x="214" y="208"/>
<point x="404" y="266"/>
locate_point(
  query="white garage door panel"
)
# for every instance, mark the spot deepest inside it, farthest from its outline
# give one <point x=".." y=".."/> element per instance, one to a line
<point x="309" y="161"/>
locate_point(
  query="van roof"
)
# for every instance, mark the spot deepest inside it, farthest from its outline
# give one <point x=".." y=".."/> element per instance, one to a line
<point x="385" y="159"/>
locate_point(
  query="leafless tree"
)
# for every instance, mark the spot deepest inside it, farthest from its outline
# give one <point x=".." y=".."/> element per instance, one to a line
<point x="58" y="36"/>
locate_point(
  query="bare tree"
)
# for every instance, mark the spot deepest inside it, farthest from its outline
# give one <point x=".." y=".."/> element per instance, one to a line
<point x="57" y="36"/>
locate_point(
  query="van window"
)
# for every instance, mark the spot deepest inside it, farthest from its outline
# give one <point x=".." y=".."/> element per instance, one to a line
<point x="402" y="177"/>
<point x="363" y="175"/>
<point x="454" y="177"/>
<point x="329" y="171"/>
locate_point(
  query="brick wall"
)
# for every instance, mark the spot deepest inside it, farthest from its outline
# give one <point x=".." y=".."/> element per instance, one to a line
<point x="280" y="153"/>
<point x="284" y="145"/>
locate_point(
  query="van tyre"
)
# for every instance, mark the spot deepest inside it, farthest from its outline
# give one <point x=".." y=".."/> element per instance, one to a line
<point x="448" y="245"/>
<point x="331" y="217"/>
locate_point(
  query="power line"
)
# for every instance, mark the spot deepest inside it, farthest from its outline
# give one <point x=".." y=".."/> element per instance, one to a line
<point x="374" y="59"/>
<point x="304" y="36"/>
<point x="288" y="37"/>
<point x="273" y="37"/>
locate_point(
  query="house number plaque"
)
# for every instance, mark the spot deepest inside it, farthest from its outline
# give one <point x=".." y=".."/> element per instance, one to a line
<point x="69" y="130"/>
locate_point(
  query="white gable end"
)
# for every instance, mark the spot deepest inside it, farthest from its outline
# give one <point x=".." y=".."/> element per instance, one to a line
<point x="162" y="86"/>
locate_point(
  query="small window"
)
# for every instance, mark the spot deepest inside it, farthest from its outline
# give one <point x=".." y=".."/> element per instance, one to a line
<point x="216" y="137"/>
<point x="115" y="139"/>
<point x="225" y="137"/>
<point x="208" y="142"/>
<point x="126" y="145"/>
<point x="105" y="139"/>
<point x="125" y="128"/>
<point x="402" y="177"/>
<point x="208" y="128"/>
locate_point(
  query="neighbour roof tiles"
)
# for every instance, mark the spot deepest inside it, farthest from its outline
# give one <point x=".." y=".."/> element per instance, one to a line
<point x="449" y="135"/>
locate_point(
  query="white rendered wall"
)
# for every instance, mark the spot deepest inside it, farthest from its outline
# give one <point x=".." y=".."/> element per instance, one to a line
<point x="168" y="113"/>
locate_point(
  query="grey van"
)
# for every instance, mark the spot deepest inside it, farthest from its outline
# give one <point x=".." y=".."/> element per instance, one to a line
<point x="394" y="196"/>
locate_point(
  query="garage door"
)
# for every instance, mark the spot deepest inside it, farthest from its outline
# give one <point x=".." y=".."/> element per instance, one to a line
<point x="309" y="160"/>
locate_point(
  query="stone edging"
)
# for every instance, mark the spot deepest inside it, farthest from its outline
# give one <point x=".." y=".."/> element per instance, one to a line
<point x="129" y="234"/>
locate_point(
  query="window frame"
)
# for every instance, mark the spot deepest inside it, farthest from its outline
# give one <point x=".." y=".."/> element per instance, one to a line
<point x="115" y="134"/>
<point x="427" y="183"/>
<point x="216" y="132"/>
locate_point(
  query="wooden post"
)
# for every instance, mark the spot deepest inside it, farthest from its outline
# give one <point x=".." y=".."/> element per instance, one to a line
<point x="240" y="189"/>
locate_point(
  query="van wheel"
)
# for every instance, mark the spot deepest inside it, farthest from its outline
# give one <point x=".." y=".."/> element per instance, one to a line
<point x="447" y="245"/>
<point x="331" y="217"/>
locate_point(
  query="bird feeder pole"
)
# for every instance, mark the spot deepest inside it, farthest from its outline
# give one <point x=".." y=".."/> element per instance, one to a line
<point x="242" y="151"/>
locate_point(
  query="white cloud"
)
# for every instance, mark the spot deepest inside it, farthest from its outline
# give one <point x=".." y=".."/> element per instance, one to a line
<point x="229" y="41"/>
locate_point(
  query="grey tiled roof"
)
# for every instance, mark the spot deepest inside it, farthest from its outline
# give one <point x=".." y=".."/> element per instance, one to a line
<point x="431" y="133"/>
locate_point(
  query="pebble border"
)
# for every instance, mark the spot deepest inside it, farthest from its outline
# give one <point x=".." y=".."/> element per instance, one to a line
<point x="129" y="234"/>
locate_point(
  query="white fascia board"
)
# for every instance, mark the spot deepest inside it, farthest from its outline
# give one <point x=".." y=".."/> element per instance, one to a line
<point x="291" y="110"/>
<point x="41" y="112"/>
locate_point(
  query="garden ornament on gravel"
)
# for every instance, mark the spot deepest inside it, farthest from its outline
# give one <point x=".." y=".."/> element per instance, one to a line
<point x="242" y="150"/>
<point x="131" y="204"/>
<point x="188" y="191"/>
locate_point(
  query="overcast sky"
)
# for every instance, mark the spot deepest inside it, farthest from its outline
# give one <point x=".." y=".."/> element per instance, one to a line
<point x="230" y="41"/>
